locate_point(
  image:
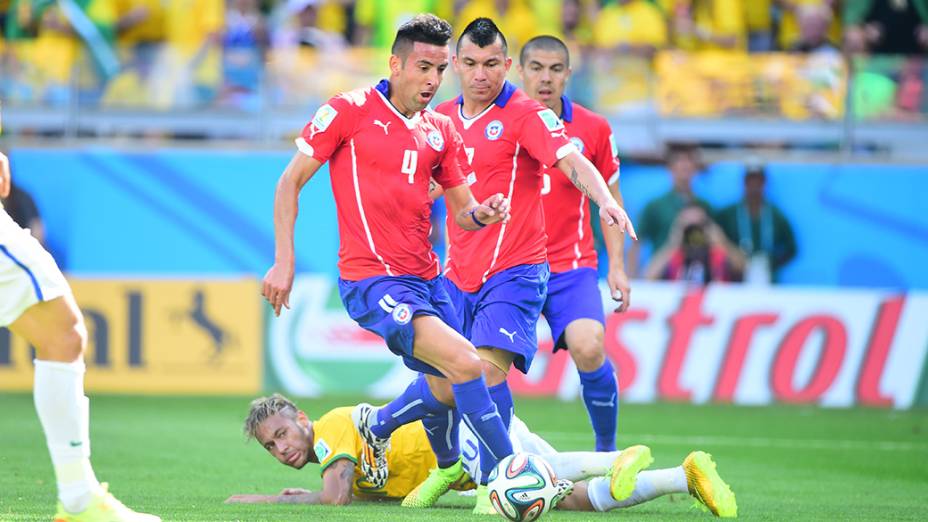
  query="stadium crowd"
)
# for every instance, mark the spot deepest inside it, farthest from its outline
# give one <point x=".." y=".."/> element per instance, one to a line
<point x="194" y="53"/>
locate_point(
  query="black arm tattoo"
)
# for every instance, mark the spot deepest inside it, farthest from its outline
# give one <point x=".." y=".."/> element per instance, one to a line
<point x="575" y="179"/>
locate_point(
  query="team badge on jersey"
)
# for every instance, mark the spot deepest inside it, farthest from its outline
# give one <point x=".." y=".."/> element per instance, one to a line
<point x="436" y="141"/>
<point x="402" y="314"/>
<point x="551" y="121"/>
<point x="322" y="450"/>
<point x="324" y="117"/>
<point x="494" y="130"/>
<point x="577" y="143"/>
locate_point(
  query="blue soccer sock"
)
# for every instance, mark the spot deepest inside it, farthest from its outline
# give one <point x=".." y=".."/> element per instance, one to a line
<point x="600" y="395"/>
<point x="480" y="414"/>
<point x="416" y="402"/>
<point x="443" y="434"/>
<point x="502" y="397"/>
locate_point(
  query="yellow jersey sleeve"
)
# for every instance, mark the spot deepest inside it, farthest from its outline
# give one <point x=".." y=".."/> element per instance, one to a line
<point x="335" y="438"/>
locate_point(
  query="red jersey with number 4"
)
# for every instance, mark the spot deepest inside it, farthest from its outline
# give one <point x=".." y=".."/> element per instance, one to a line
<point x="380" y="164"/>
<point x="567" y="219"/>
<point x="507" y="145"/>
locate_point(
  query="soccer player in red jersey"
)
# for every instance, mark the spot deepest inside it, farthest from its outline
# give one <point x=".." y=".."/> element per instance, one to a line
<point x="574" y="308"/>
<point x="497" y="278"/>
<point x="383" y="150"/>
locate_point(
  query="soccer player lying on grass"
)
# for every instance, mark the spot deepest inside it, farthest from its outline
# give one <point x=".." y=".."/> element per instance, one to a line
<point x="605" y="481"/>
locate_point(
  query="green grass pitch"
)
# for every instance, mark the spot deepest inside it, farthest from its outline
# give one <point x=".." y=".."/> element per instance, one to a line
<point x="181" y="457"/>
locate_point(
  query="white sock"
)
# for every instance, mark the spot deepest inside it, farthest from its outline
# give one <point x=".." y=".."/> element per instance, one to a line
<point x="64" y="413"/>
<point x="650" y="485"/>
<point x="580" y="465"/>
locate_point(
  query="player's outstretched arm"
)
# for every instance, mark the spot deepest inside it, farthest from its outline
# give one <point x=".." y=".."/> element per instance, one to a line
<point x="617" y="278"/>
<point x="470" y="215"/>
<point x="4" y="176"/>
<point x="584" y="176"/>
<point x="279" y="279"/>
<point x="336" y="490"/>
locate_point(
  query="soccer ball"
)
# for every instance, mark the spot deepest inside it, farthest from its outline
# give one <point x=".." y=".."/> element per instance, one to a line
<point x="522" y="487"/>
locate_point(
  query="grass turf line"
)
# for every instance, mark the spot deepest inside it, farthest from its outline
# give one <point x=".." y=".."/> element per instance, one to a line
<point x="181" y="457"/>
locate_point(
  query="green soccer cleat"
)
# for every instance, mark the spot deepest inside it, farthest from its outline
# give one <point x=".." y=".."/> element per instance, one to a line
<point x="707" y="486"/>
<point x="104" y="508"/>
<point x="624" y="471"/>
<point x="484" y="506"/>
<point x="437" y="484"/>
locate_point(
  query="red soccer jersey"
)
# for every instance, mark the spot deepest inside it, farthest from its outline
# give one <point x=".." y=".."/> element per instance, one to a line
<point x="567" y="219"/>
<point x="380" y="163"/>
<point x="506" y="145"/>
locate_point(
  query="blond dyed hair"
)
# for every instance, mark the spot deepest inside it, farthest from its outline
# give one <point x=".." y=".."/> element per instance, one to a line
<point x="264" y="407"/>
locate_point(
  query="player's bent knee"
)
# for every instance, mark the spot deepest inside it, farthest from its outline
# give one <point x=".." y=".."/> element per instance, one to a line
<point x="464" y="366"/>
<point x="585" y="344"/>
<point x="70" y="344"/>
<point x="588" y="357"/>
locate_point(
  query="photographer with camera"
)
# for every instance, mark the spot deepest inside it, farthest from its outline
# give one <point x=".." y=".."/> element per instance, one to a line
<point x="697" y="252"/>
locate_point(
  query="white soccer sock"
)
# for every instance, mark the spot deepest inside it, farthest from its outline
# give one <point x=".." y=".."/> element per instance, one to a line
<point x="579" y="465"/>
<point x="650" y="485"/>
<point x="64" y="413"/>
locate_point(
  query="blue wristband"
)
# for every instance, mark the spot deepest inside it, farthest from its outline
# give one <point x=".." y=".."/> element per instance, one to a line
<point x="473" y="216"/>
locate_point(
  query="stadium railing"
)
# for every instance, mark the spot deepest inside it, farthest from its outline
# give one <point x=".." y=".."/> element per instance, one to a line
<point x="819" y="100"/>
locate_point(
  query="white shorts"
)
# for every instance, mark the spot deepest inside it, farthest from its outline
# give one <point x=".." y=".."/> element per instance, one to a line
<point x="28" y="274"/>
<point x="523" y="441"/>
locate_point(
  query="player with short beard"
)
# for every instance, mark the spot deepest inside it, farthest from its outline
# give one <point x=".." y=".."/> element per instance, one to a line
<point x="384" y="150"/>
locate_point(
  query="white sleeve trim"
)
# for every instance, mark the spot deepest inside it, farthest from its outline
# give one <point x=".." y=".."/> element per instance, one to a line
<point x="304" y="147"/>
<point x="565" y="150"/>
<point x="614" y="178"/>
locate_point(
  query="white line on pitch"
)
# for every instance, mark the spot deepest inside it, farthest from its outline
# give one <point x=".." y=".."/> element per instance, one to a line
<point x="755" y="442"/>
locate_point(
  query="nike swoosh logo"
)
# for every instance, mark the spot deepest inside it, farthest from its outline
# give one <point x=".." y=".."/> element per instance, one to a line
<point x="76" y="443"/>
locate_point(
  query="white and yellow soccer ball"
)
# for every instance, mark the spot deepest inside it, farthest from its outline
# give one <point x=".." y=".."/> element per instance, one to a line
<point x="522" y="487"/>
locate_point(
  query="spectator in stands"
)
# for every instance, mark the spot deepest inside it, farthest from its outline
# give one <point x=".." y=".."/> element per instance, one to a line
<point x="299" y="27"/>
<point x="140" y="28"/>
<point x="576" y="22"/>
<point x="911" y="102"/>
<point x="696" y="251"/>
<point x="189" y="71"/>
<point x="788" y="11"/>
<point x="887" y="26"/>
<point x="707" y="24"/>
<point x="139" y="37"/>
<point x="814" y="21"/>
<point x="378" y="20"/>
<point x="21" y="207"/>
<point x="759" y="228"/>
<point x="244" y="42"/>
<point x="657" y="218"/>
<point x="60" y="39"/>
<point x="758" y="20"/>
<point x="631" y="27"/>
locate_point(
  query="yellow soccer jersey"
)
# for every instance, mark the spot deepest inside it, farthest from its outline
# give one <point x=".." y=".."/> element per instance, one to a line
<point x="409" y="458"/>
